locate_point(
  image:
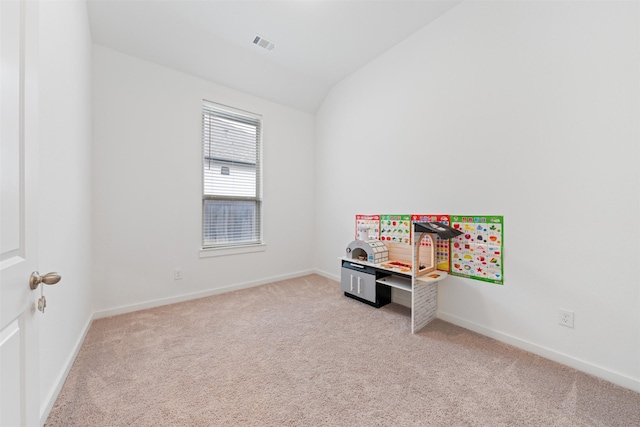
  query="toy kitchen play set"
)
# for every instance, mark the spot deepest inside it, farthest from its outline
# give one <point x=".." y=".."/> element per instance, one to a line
<point x="414" y="252"/>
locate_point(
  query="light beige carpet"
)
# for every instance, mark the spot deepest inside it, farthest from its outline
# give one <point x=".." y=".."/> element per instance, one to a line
<point x="299" y="353"/>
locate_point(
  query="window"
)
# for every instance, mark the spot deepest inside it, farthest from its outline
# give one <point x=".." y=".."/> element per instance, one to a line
<point x="231" y="196"/>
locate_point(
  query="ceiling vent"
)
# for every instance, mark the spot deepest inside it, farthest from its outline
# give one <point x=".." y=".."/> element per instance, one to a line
<point x="263" y="43"/>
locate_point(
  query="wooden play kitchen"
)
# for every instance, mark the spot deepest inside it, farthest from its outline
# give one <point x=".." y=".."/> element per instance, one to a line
<point x="370" y="268"/>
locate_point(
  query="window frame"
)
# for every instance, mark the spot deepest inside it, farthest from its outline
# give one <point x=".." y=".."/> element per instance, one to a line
<point x="229" y="248"/>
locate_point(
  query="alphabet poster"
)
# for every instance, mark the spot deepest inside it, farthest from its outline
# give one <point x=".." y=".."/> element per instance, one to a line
<point x="478" y="252"/>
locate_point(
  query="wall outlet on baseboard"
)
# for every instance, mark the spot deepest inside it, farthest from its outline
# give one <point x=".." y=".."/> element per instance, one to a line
<point x="177" y="274"/>
<point x="566" y="318"/>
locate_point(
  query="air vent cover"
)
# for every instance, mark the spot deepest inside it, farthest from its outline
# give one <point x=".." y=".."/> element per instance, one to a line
<point x="263" y="43"/>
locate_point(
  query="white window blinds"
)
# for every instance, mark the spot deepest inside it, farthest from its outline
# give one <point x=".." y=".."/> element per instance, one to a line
<point x="231" y="199"/>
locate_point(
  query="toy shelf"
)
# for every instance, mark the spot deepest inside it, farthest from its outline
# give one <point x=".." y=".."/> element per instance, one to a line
<point x="397" y="282"/>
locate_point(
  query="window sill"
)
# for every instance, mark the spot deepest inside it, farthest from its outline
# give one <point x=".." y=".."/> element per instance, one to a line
<point x="214" y="252"/>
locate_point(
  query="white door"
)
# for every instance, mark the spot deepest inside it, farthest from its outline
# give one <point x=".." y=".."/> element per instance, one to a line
<point x="19" y="394"/>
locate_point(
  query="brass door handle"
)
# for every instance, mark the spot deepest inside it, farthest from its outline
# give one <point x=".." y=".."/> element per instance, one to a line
<point x="47" y="279"/>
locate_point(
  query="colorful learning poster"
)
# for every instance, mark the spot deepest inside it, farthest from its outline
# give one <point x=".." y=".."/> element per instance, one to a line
<point x="478" y="252"/>
<point x="369" y="224"/>
<point x="442" y="245"/>
<point x="395" y="228"/>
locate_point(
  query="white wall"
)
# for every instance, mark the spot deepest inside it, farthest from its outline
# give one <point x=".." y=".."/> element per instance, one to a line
<point x="147" y="187"/>
<point x="64" y="188"/>
<point x="523" y="109"/>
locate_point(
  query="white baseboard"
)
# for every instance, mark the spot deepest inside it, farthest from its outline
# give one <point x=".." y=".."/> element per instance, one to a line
<point x="50" y="400"/>
<point x="187" y="297"/>
<point x="327" y="275"/>
<point x="573" y="362"/>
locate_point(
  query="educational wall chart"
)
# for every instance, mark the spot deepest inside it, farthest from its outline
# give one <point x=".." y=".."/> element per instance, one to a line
<point x="395" y="228"/>
<point x="442" y="245"/>
<point x="478" y="252"/>
<point x="369" y="224"/>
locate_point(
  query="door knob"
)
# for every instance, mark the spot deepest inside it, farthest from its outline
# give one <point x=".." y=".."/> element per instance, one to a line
<point x="47" y="279"/>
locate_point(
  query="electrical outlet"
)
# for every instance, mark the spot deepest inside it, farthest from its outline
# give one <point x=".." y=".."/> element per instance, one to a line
<point x="177" y="274"/>
<point x="566" y="318"/>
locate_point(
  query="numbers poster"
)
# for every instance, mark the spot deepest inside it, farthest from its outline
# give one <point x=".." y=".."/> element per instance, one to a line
<point x="478" y="252"/>
<point x="442" y="245"/>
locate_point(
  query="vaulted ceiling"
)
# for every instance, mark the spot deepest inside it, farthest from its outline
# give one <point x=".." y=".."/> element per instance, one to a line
<point x="317" y="42"/>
